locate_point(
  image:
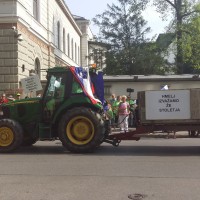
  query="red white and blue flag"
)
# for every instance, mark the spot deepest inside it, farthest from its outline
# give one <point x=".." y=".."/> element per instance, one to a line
<point x="83" y="77"/>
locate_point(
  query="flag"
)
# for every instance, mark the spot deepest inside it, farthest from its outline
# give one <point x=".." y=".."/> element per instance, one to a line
<point x="83" y="77"/>
<point x="165" y="87"/>
<point x="98" y="85"/>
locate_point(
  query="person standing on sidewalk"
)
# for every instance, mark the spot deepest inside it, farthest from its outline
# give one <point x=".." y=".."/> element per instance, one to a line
<point x="123" y="114"/>
<point x="113" y="99"/>
<point x="3" y="99"/>
<point x="115" y="106"/>
<point x="132" y="110"/>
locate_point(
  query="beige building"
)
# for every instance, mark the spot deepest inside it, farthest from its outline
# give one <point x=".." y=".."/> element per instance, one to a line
<point x="36" y="35"/>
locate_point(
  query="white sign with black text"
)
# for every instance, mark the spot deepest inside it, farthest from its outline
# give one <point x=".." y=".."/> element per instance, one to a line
<point x="31" y="84"/>
<point x="167" y="105"/>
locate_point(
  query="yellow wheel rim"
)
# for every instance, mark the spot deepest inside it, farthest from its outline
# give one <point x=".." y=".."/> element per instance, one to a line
<point x="6" y="136"/>
<point x="80" y="130"/>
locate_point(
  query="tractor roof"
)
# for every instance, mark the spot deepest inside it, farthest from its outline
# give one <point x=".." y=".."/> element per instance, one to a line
<point x="58" y="69"/>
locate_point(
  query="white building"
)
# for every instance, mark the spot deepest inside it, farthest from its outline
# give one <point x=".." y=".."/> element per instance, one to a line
<point x="36" y="35"/>
<point x="92" y="52"/>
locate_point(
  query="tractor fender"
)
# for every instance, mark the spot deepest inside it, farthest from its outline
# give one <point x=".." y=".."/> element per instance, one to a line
<point x="64" y="108"/>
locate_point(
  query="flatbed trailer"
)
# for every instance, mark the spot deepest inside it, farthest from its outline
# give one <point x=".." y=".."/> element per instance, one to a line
<point x="166" y="111"/>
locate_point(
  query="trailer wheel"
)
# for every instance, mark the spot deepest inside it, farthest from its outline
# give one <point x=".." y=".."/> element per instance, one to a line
<point x="81" y="130"/>
<point x="11" y="135"/>
<point x="29" y="141"/>
<point x="193" y="133"/>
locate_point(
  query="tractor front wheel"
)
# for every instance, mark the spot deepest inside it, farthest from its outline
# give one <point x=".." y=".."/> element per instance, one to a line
<point x="81" y="130"/>
<point x="11" y="135"/>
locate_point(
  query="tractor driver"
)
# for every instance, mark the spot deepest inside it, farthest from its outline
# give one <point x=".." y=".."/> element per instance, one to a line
<point x="56" y="91"/>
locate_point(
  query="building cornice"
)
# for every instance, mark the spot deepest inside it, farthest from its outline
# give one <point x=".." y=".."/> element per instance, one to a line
<point x="151" y="78"/>
<point x="68" y="14"/>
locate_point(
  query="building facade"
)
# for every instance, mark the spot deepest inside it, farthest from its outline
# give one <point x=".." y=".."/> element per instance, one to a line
<point x="35" y="35"/>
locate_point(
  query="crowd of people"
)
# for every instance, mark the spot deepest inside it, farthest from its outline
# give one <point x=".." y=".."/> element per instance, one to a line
<point x="120" y="111"/>
<point x="5" y="99"/>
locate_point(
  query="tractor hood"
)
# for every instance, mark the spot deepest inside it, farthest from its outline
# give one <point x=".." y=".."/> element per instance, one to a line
<point x="23" y="110"/>
<point x="22" y="101"/>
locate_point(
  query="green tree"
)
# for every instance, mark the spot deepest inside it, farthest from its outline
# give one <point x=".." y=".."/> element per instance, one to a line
<point x="191" y="44"/>
<point x="181" y="11"/>
<point x="123" y="27"/>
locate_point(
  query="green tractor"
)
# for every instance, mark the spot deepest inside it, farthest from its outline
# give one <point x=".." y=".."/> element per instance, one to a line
<point x="65" y="112"/>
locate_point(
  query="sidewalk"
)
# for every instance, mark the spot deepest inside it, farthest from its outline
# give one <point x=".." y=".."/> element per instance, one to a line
<point x="179" y="134"/>
<point x="157" y="134"/>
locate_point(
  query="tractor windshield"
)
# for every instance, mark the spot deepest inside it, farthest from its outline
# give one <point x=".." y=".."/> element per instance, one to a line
<point x="55" y="92"/>
<point x="54" y="86"/>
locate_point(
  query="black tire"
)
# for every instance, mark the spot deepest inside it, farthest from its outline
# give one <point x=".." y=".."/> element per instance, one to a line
<point x="193" y="133"/>
<point x="103" y="125"/>
<point x="81" y="130"/>
<point x="29" y="141"/>
<point x="11" y="135"/>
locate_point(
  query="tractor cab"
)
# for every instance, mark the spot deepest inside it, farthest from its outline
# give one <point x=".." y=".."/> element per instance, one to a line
<point x="65" y="88"/>
<point x="70" y="110"/>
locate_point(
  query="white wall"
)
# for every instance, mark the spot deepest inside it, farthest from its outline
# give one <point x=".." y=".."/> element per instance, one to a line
<point x="119" y="88"/>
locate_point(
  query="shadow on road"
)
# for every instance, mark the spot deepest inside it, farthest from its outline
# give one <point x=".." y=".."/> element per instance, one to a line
<point x="149" y="151"/>
<point x="122" y="150"/>
<point x="54" y="148"/>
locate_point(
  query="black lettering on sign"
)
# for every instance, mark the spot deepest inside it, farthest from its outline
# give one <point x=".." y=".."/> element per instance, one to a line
<point x="167" y="101"/>
<point x="169" y="110"/>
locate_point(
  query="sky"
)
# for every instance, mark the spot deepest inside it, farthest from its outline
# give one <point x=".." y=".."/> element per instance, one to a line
<point x="90" y="8"/>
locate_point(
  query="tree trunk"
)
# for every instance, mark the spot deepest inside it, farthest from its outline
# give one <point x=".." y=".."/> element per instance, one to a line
<point x="179" y="56"/>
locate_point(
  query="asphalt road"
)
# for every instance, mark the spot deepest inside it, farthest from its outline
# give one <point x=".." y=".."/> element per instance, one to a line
<point x="150" y="169"/>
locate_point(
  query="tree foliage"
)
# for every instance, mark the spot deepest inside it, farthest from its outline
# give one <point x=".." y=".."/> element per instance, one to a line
<point x="181" y="10"/>
<point x="145" y="57"/>
<point x="191" y="44"/>
<point x="123" y="27"/>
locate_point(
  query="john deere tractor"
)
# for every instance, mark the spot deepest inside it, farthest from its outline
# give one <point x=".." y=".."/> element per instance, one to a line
<point x="65" y="112"/>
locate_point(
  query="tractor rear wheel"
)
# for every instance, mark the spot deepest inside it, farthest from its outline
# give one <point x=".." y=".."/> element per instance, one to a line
<point x="11" y="135"/>
<point x="81" y="130"/>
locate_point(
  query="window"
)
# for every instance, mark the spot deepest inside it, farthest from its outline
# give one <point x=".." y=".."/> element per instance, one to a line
<point x="23" y="68"/>
<point x="75" y="53"/>
<point x="64" y="47"/>
<point x="35" y="10"/>
<point x="78" y="55"/>
<point x="68" y="44"/>
<point x="76" y="88"/>
<point x="37" y="67"/>
<point x="58" y="35"/>
<point x="53" y="23"/>
<point x="72" y="47"/>
<point x="107" y="90"/>
<point x="55" y="92"/>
